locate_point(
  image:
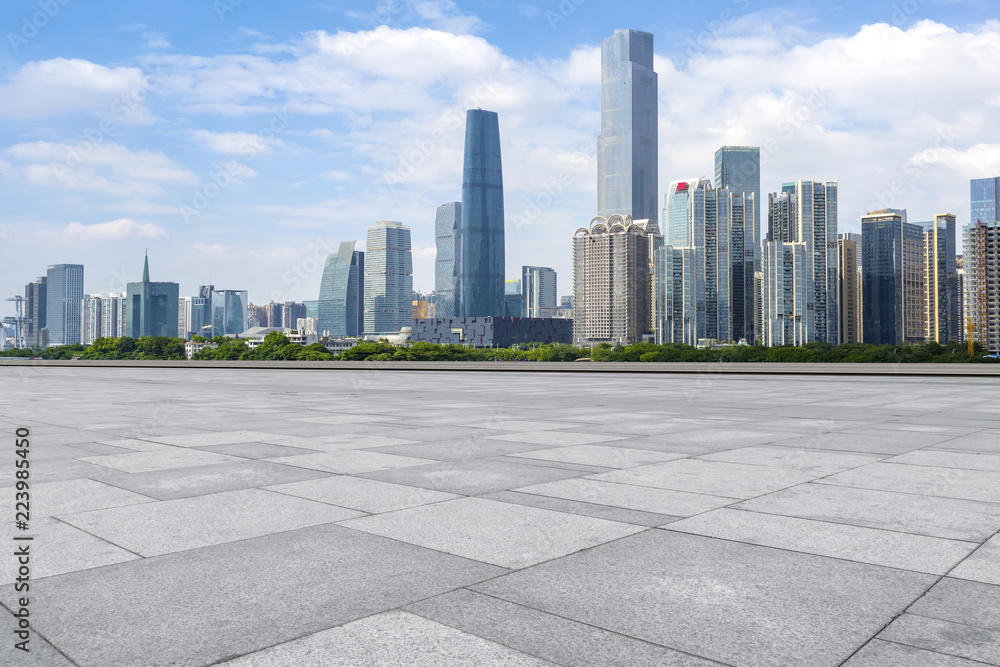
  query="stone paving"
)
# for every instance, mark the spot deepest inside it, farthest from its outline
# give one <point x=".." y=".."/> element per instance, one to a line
<point x="304" y="517"/>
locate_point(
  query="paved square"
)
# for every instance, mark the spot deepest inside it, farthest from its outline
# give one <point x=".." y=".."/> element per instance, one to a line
<point x="192" y="517"/>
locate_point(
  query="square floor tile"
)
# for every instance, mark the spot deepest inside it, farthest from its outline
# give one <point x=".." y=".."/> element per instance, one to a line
<point x="256" y="450"/>
<point x="555" y="438"/>
<point x="818" y="462"/>
<point x="950" y="459"/>
<point x="59" y="548"/>
<point x="731" y="480"/>
<point x="458" y="450"/>
<point x="932" y="634"/>
<point x="366" y="495"/>
<point x="350" y="461"/>
<point x="473" y="477"/>
<point x="604" y="456"/>
<point x="511" y="536"/>
<point x="78" y="495"/>
<point x="961" y="601"/>
<point x="176" y="525"/>
<point x="983" y="565"/>
<point x="878" y="653"/>
<point x="642" y="498"/>
<point x="922" y="480"/>
<point x="159" y="460"/>
<point x="735" y="603"/>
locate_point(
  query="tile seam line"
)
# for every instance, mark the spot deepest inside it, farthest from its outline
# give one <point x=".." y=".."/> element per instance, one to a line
<point x="45" y="639"/>
<point x="556" y="615"/>
<point x="947" y="620"/>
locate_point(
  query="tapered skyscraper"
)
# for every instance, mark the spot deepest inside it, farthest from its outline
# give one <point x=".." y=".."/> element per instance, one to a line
<point x="627" y="149"/>
<point x="446" y="228"/>
<point x="342" y="293"/>
<point x="480" y="260"/>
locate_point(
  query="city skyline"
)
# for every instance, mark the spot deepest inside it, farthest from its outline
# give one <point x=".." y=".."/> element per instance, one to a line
<point x="291" y="221"/>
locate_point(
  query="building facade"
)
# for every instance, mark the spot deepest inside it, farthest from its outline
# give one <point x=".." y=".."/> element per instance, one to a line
<point x="342" y="293"/>
<point x="492" y="331"/>
<point x="627" y="154"/>
<point x="893" y="284"/>
<point x="34" y="313"/>
<point x="151" y="307"/>
<point x="539" y="290"/>
<point x="849" y="292"/>
<point x="738" y="168"/>
<point x="981" y="262"/>
<point x="611" y="281"/>
<point x="942" y="295"/>
<point x="786" y="281"/>
<point x="388" y="279"/>
<point x="985" y="197"/>
<point x="480" y="262"/>
<point x="447" y="225"/>
<point x="64" y="295"/>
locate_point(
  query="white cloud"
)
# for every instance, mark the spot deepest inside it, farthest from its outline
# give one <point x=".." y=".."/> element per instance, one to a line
<point x="110" y="231"/>
<point x="53" y="87"/>
<point x="237" y="143"/>
<point x="214" y="249"/>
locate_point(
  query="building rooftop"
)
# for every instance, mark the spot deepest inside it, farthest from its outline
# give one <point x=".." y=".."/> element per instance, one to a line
<point x="308" y="517"/>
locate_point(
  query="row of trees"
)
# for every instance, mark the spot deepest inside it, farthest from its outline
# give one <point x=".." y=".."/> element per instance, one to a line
<point x="277" y="346"/>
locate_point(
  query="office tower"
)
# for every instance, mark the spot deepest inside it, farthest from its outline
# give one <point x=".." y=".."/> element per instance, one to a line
<point x="446" y="233"/>
<point x="539" y="289"/>
<point x="744" y="251"/>
<point x="257" y="316"/>
<point x="480" y="261"/>
<point x="184" y="316"/>
<point x="849" y="292"/>
<point x="152" y="307"/>
<point x="981" y="261"/>
<point x="893" y="280"/>
<point x="90" y="319"/>
<point x="676" y="300"/>
<point x="611" y="281"/>
<point x="34" y="311"/>
<point x="514" y="304"/>
<point x="678" y="211"/>
<point x="388" y="279"/>
<point x="291" y="311"/>
<point x="63" y="296"/>
<point x="985" y="195"/>
<point x="627" y="149"/>
<point x="342" y="294"/>
<point x="942" y="294"/>
<point x="786" y="283"/>
<point x="274" y="315"/>
<point x="738" y="168"/>
<point x="807" y="212"/>
<point x="229" y="312"/>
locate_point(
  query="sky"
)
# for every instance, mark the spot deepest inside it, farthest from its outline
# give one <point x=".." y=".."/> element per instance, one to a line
<point x="240" y="142"/>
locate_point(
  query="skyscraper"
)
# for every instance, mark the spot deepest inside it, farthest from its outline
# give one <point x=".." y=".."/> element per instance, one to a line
<point x="981" y="261"/>
<point x="893" y="281"/>
<point x="151" y="308"/>
<point x="64" y="294"/>
<point x="786" y="284"/>
<point x="538" y="287"/>
<point x="985" y="200"/>
<point x="34" y="312"/>
<point x="627" y="149"/>
<point x="849" y="288"/>
<point x="480" y="261"/>
<point x="446" y="234"/>
<point x="942" y="295"/>
<point x="388" y="283"/>
<point x="738" y="168"/>
<point x="230" y="310"/>
<point x="611" y="281"/>
<point x="342" y="294"/>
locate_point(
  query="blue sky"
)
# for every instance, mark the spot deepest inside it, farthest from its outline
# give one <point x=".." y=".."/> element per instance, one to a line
<point x="240" y="142"/>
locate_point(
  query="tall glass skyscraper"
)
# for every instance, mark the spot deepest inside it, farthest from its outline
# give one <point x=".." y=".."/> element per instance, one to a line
<point x="64" y="296"/>
<point x="480" y="261"/>
<point x="446" y="233"/>
<point x="341" y="306"/>
<point x="738" y="168"/>
<point x="151" y="308"/>
<point x="985" y="200"/>
<point x="388" y="271"/>
<point x="627" y="149"/>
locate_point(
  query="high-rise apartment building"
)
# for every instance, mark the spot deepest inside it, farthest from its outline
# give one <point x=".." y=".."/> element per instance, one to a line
<point x="342" y="294"/>
<point x="388" y="279"/>
<point x="102" y="316"/>
<point x="538" y="289"/>
<point x="942" y="295"/>
<point x="675" y="285"/>
<point x="893" y="280"/>
<point x="64" y="294"/>
<point x="611" y="281"/>
<point x="786" y="283"/>
<point x="627" y="159"/>
<point x="152" y="307"/>
<point x="807" y="212"/>
<point x="981" y="261"/>
<point x="34" y="313"/>
<point x="480" y="261"/>
<point x="849" y="293"/>
<point x="447" y="225"/>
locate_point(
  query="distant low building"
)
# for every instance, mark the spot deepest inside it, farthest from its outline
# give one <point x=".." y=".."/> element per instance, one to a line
<point x="492" y="331"/>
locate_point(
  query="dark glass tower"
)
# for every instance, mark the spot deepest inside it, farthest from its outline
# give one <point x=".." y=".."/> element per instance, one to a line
<point x="151" y="309"/>
<point x="627" y="176"/>
<point x="985" y="200"/>
<point x="480" y="261"/>
<point x="341" y="293"/>
<point x="446" y="227"/>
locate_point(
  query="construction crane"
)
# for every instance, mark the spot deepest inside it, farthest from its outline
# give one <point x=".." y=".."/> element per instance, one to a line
<point x="18" y="321"/>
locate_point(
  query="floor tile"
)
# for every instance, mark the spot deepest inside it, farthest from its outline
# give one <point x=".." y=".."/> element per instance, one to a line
<point x="511" y="536"/>
<point x="256" y="450"/>
<point x="350" y="461"/>
<point x="59" y="548"/>
<point x="963" y="641"/>
<point x="878" y="653"/>
<point x="642" y="498"/>
<point x="598" y="455"/>
<point x="366" y="495"/>
<point x="961" y="601"/>
<point x="159" y="460"/>
<point x="950" y="459"/>
<point x="818" y="462"/>
<point x="619" y="514"/>
<point x="474" y="477"/>
<point x="983" y="565"/>
<point x="921" y="480"/>
<point x="79" y="495"/>
<point x="555" y="438"/>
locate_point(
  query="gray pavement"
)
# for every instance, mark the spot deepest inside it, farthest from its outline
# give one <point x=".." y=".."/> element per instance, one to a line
<point x="238" y="516"/>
